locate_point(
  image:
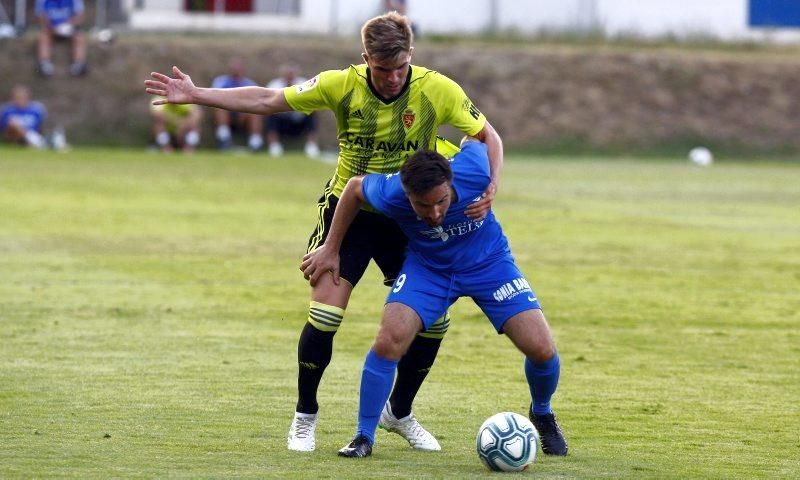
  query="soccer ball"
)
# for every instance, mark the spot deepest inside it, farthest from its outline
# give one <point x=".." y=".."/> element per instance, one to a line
<point x="507" y="442"/>
<point x="701" y="156"/>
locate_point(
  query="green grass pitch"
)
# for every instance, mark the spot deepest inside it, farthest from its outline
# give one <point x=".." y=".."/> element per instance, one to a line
<point x="150" y="307"/>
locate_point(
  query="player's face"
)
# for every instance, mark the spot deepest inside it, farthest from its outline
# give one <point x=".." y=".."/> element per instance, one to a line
<point x="388" y="76"/>
<point x="20" y="96"/>
<point x="236" y="68"/>
<point x="431" y="207"/>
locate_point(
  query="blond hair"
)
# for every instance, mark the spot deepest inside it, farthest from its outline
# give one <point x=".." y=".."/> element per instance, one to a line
<point x="387" y="36"/>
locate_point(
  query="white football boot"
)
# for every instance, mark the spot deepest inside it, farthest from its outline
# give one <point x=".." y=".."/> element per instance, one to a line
<point x="410" y="429"/>
<point x="302" y="432"/>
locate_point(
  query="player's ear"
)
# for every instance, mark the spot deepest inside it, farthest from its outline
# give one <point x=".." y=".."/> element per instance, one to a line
<point x="365" y="57"/>
<point x="410" y="52"/>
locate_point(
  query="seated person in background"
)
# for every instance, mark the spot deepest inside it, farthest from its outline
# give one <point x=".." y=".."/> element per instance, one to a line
<point x="61" y="20"/>
<point x="176" y="126"/>
<point x="398" y="6"/>
<point x="291" y="123"/>
<point x="21" y="119"/>
<point x="226" y="121"/>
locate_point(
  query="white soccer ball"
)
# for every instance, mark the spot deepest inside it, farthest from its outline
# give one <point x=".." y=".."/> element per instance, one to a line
<point x="507" y="442"/>
<point x="701" y="156"/>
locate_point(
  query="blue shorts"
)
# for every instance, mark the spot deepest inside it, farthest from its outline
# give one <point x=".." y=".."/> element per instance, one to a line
<point x="498" y="288"/>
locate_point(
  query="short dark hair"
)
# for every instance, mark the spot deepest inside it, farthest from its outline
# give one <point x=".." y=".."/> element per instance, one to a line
<point x="425" y="170"/>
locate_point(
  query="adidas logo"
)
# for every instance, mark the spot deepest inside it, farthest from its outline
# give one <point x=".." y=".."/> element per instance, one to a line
<point x="358" y="114"/>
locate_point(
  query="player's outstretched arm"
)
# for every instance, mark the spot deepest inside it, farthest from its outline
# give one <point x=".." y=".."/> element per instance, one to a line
<point x="494" y="146"/>
<point x="181" y="89"/>
<point x="326" y="258"/>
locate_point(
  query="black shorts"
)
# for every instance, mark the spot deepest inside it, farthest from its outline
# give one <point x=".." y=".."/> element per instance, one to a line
<point x="292" y="124"/>
<point x="371" y="236"/>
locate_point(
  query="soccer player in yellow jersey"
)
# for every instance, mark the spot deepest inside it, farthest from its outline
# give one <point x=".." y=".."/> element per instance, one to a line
<point x="386" y="109"/>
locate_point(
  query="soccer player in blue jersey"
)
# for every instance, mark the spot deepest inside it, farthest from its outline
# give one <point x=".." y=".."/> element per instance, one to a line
<point x="226" y="121"/>
<point x="21" y="119"/>
<point x="449" y="255"/>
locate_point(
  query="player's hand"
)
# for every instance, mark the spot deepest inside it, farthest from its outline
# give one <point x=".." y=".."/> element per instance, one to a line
<point x="174" y="90"/>
<point x="480" y="209"/>
<point x="318" y="263"/>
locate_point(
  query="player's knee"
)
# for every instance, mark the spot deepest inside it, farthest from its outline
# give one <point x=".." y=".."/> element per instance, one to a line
<point x="546" y="354"/>
<point x="541" y="351"/>
<point x="390" y="344"/>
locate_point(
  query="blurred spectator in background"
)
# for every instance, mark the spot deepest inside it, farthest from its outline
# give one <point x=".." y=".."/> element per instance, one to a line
<point x="400" y="7"/>
<point x="61" y="20"/>
<point x="21" y="119"/>
<point x="226" y="121"/>
<point x="176" y="126"/>
<point x="291" y="123"/>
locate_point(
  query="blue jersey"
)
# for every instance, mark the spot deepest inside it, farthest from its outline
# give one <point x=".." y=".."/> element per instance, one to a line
<point x="29" y="117"/>
<point x="228" y="81"/>
<point x="459" y="243"/>
<point x="58" y="11"/>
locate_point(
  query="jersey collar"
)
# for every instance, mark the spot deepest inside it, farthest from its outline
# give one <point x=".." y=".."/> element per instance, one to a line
<point x="387" y="101"/>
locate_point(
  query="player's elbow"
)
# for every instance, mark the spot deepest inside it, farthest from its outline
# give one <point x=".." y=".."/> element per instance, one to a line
<point x="489" y="135"/>
<point x="271" y="101"/>
<point x="353" y="188"/>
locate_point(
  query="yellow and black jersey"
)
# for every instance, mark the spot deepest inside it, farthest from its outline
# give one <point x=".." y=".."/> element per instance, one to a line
<point x="376" y="135"/>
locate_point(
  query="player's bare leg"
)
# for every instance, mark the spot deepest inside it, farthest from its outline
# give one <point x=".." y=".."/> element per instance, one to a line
<point x="160" y="134"/>
<point x="222" y="119"/>
<point x="274" y="141"/>
<point x="44" y="52"/>
<point x="531" y="334"/>
<point x="312" y="145"/>
<point x="78" y="66"/>
<point x="254" y="125"/>
<point x="189" y="134"/>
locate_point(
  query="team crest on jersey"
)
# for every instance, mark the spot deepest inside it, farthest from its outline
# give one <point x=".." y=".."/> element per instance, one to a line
<point x="307" y="85"/>
<point x="436" y="232"/>
<point x="408" y="118"/>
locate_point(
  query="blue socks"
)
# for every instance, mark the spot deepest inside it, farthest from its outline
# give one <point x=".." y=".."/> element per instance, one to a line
<point x="376" y="385"/>
<point x="542" y="380"/>
<point x="377" y="379"/>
